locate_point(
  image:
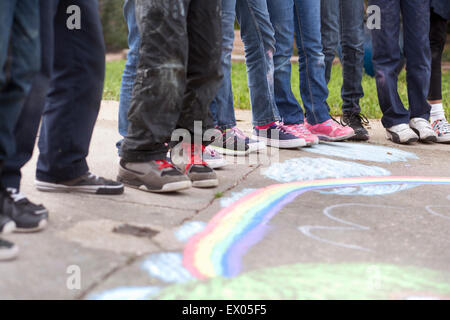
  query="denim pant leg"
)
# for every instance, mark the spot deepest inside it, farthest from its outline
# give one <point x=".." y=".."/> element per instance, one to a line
<point x="313" y="87"/>
<point x="352" y="42"/>
<point x="129" y="73"/>
<point x="28" y="124"/>
<point x="416" y="24"/>
<point x="74" y="97"/>
<point x="259" y="41"/>
<point x="386" y="59"/>
<point x="330" y="17"/>
<point x="19" y="39"/>
<point x="222" y="107"/>
<point x="282" y="18"/>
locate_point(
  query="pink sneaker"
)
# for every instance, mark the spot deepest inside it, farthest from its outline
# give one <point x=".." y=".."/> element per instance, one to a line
<point x="300" y="131"/>
<point x="330" y="131"/>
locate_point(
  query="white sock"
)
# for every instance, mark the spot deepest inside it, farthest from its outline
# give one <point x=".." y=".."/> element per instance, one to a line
<point x="437" y="112"/>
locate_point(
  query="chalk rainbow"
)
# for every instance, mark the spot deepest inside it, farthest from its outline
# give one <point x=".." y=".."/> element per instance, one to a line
<point x="219" y="248"/>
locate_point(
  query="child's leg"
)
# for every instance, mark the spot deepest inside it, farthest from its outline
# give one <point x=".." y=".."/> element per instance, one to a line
<point x="161" y="79"/>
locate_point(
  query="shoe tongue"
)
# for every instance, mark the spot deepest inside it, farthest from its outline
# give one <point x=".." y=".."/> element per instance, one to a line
<point x="16" y="195"/>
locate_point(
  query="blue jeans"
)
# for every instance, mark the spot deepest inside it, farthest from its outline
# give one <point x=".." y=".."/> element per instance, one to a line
<point x="302" y="18"/>
<point x="343" y="24"/>
<point x="387" y="57"/>
<point x="68" y="90"/>
<point x="130" y="71"/>
<point x="222" y="107"/>
<point x="259" y="42"/>
<point x="19" y="40"/>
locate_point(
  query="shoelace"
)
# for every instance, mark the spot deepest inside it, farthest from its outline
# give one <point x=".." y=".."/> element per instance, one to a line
<point x="239" y="133"/>
<point x="163" y="164"/>
<point x="443" y="125"/>
<point x="93" y="176"/>
<point x="361" y="118"/>
<point x="283" y="128"/>
<point x="210" y="151"/>
<point x="196" y="155"/>
<point x="298" y="128"/>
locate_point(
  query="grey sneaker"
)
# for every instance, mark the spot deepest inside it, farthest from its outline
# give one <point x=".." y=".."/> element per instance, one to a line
<point x="189" y="158"/>
<point x="214" y="159"/>
<point x="423" y="129"/>
<point x="8" y="250"/>
<point x="157" y="176"/>
<point x="402" y="133"/>
<point x="88" y="183"/>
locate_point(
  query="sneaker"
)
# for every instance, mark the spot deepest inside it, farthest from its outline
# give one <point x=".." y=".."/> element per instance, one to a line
<point x="88" y="183"/>
<point x="278" y="136"/>
<point x="356" y="121"/>
<point x="27" y="216"/>
<point x="189" y="159"/>
<point x="442" y="129"/>
<point x="300" y="131"/>
<point x="330" y="130"/>
<point x="213" y="158"/>
<point x="8" y="250"/>
<point x="423" y="129"/>
<point x="402" y="133"/>
<point x="6" y="224"/>
<point x="156" y="176"/>
<point x="234" y="142"/>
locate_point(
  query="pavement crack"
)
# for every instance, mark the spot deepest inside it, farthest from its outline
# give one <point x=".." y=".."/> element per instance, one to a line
<point x="105" y="277"/>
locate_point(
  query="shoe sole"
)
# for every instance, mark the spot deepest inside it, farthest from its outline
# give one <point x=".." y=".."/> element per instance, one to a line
<point x="427" y="139"/>
<point x="290" y="144"/>
<point x="42" y="225"/>
<point x="211" y="183"/>
<point x="215" y="164"/>
<point x="167" y="188"/>
<point x="396" y="139"/>
<point x="104" y="190"/>
<point x="8" y="228"/>
<point x="9" y="254"/>
<point x="230" y="152"/>
<point x="335" y="139"/>
<point x="257" y="146"/>
<point x="443" y="140"/>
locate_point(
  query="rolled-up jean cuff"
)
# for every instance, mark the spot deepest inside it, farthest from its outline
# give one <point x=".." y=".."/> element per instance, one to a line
<point x="227" y="126"/>
<point x="62" y="175"/>
<point x="264" y="122"/>
<point x="143" y="156"/>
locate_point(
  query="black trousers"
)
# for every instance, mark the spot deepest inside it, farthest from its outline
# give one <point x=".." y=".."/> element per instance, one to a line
<point x="178" y="74"/>
<point x="438" y="36"/>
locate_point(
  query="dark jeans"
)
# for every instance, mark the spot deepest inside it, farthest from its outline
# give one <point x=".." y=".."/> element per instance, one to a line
<point x="68" y="91"/>
<point x="19" y="63"/>
<point x="387" y="57"/>
<point x="178" y="73"/>
<point x="438" y="36"/>
<point x="343" y="23"/>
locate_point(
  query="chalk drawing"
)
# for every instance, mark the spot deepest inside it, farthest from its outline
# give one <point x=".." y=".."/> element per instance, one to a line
<point x="316" y="281"/>
<point x="307" y="230"/>
<point x="306" y="169"/>
<point x="188" y="229"/>
<point x="167" y="267"/>
<point x="126" y="293"/>
<point x="219" y="248"/>
<point x="363" y="152"/>
<point x="235" y="196"/>
<point x="431" y="210"/>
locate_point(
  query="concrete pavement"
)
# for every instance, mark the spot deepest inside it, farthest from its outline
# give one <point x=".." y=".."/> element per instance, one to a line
<point x="378" y="239"/>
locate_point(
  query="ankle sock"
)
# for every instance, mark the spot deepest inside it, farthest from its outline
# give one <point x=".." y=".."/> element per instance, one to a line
<point x="437" y="112"/>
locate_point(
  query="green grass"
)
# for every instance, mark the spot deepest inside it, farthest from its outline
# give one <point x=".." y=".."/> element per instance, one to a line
<point x="369" y="103"/>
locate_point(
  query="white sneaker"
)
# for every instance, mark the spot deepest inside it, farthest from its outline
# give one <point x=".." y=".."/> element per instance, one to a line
<point x="423" y="129"/>
<point x="402" y="133"/>
<point x="442" y="129"/>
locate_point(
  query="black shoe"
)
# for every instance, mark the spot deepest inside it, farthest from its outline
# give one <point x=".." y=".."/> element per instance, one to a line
<point x="356" y="121"/>
<point x="27" y="216"/>
<point x="89" y="183"/>
<point x="8" y="250"/>
<point x="6" y="224"/>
